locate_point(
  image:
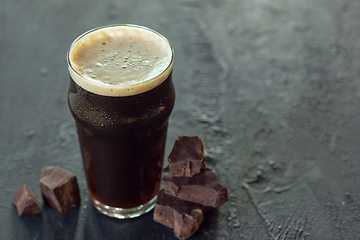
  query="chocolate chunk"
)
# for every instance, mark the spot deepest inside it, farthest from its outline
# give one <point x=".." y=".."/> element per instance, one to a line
<point x="183" y="216"/>
<point x="187" y="156"/>
<point x="203" y="188"/>
<point x="26" y="202"/>
<point x="59" y="188"/>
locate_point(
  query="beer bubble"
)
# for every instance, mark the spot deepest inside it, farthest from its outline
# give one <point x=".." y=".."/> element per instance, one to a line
<point x="104" y="79"/>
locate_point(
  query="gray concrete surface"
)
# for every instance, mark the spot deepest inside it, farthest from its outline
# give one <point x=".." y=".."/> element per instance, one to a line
<point x="272" y="88"/>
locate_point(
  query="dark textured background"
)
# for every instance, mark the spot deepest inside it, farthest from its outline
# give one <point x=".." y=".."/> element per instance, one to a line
<point x="272" y="88"/>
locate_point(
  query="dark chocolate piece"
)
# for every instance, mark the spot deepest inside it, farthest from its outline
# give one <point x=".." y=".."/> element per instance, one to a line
<point x="186" y="157"/>
<point x="203" y="188"/>
<point x="183" y="216"/>
<point x="59" y="188"/>
<point x="26" y="202"/>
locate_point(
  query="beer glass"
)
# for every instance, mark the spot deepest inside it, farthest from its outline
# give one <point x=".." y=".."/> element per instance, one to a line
<point x="121" y="96"/>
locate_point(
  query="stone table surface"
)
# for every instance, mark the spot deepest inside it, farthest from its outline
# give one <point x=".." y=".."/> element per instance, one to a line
<point x="271" y="87"/>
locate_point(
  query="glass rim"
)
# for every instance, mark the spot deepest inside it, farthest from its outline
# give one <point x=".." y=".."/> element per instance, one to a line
<point x="89" y="80"/>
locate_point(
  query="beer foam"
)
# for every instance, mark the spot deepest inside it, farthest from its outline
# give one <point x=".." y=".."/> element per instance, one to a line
<point x="120" y="60"/>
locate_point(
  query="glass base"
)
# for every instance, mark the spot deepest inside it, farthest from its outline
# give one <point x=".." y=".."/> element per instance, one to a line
<point x="123" y="213"/>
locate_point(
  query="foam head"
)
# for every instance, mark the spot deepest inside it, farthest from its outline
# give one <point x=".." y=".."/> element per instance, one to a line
<point x="120" y="60"/>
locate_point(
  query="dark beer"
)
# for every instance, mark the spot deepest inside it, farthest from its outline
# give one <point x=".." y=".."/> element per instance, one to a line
<point x="121" y="114"/>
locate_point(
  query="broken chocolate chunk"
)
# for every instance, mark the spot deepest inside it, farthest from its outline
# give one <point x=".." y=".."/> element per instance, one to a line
<point x="183" y="216"/>
<point x="59" y="188"/>
<point x="26" y="202"/>
<point x="186" y="157"/>
<point x="203" y="188"/>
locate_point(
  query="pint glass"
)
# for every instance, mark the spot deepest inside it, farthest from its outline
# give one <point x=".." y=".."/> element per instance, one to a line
<point x="121" y="96"/>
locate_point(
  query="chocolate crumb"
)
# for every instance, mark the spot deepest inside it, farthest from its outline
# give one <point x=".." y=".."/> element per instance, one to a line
<point x="183" y="216"/>
<point x="203" y="188"/>
<point x="187" y="156"/>
<point x="26" y="202"/>
<point x="59" y="188"/>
